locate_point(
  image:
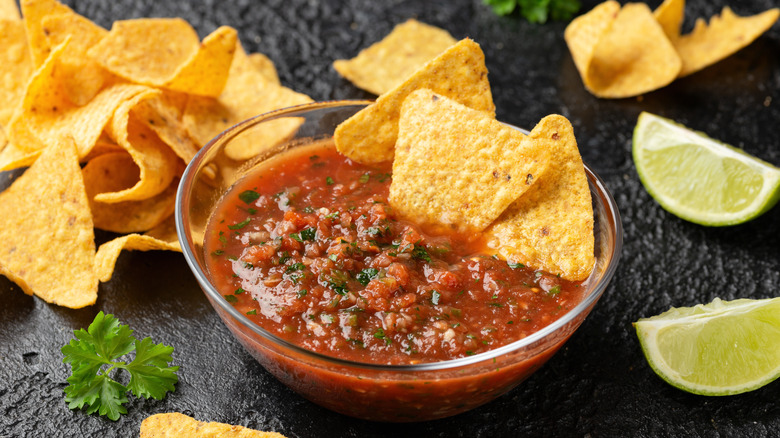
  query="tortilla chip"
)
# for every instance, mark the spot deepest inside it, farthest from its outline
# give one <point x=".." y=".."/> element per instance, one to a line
<point x="172" y="425"/>
<point x="108" y="253"/>
<point x="386" y="64"/>
<point x="50" y="115"/>
<point x="9" y="10"/>
<point x="621" y="53"/>
<point x="459" y="167"/>
<point x="114" y="172"/>
<point x="147" y="51"/>
<point x="162" y="115"/>
<point x="206" y="73"/>
<point x="550" y="227"/>
<point x="166" y="232"/>
<point x="12" y="157"/>
<point x="156" y="161"/>
<point x="725" y="35"/>
<point x="670" y="16"/>
<point x="247" y="93"/>
<point x="17" y="68"/>
<point x="33" y="12"/>
<point x="46" y="240"/>
<point x="459" y="74"/>
<point x="82" y="78"/>
<point x="265" y="66"/>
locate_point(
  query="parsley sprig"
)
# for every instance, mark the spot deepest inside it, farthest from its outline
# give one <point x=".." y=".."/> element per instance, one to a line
<point x="95" y="354"/>
<point x="536" y="11"/>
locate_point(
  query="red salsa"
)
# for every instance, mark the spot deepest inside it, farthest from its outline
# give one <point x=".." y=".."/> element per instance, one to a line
<point x="309" y="248"/>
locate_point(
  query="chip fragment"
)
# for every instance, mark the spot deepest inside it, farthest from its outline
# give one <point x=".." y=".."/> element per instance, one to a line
<point x="174" y="424"/>
<point x="108" y="253"/>
<point x="670" y="16"/>
<point x="384" y="65"/>
<point x="46" y="240"/>
<point x="725" y="35"/>
<point x="459" y="74"/>
<point x="550" y="227"/>
<point x="459" y="167"/>
<point x="621" y="52"/>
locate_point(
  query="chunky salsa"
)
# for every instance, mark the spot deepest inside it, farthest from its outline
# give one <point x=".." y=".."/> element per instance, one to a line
<point x="308" y="248"/>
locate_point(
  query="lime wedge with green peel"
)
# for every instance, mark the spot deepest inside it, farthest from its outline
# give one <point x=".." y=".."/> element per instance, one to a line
<point x="721" y="348"/>
<point x="700" y="179"/>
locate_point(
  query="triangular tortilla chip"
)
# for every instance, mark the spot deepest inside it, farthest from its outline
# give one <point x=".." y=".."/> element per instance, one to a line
<point x="384" y="65"/>
<point x="206" y="72"/>
<point x="174" y="424"/>
<point x="670" y="16"/>
<point x="265" y="66"/>
<point x="459" y="74"/>
<point x="725" y="35"/>
<point x="33" y="12"/>
<point x="17" y="68"/>
<point x="458" y="167"/>
<point x="46" y="240"/>
<point x="550" y="227"/>
<point x="621" y="53"/>
<point x="247" y="93"/>
<point x="109" y="252"/>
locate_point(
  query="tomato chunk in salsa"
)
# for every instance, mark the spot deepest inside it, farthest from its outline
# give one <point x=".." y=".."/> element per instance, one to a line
<point x="308" y="247"/>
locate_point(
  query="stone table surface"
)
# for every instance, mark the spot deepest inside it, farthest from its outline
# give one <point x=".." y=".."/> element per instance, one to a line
<point x="598" y="385"/>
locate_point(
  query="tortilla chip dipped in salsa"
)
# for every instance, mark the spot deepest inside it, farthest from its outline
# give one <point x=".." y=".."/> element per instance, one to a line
<point x="459" y="167"/>
<point x="550" y="227"/>
<point x="459" y="74"/>
<point x="46" y="240"/>
<point x="385" y="64"/>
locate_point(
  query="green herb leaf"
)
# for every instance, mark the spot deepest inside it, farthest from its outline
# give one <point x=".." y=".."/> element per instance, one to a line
<point x="92" y="388"/>
<point x="248" y="196"/>
<point x="308" y="233"/>
<point x="420" y="253"/>
<point x="329" y="181"/>
<point x="536" y="11"/>
<point x="366" y="275"/>
<point x="364" y="178"/>
<point x="239" y="225"/>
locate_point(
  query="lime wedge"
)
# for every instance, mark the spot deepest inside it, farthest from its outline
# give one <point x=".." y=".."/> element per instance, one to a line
<point x="700" y="179"/>
<point x="721" y="348"/>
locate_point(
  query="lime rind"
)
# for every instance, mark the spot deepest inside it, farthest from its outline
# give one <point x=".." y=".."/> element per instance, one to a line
<point x="721" y="348"/>
<point x="653" y="134"/>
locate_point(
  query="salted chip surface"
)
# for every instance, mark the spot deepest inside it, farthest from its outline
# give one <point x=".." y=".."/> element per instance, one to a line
<point x="174" y="424"/>
<point x="384" y="65"/>
<point x="726" y="34"/>
<point x="459" y="167"/>
<point x="17" y="67"/>
<point x="621" y="52"/>
<point x="147" y="50"/>
<point x="46" y="238"/>
<point x="115" y="172"/>
<point x="550" y="227"/>
<point x="161" y="114"/>
<point x="108" y="253"/>
<point x="33" y="13"/>
<point x="247" y="93"/>
<point x="459" y="74"/>
<point x="206" y="72"/>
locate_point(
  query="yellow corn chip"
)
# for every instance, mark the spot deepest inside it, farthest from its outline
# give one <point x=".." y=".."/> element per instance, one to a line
<point x="147" y="51"/>
<point x="162" y="115"/>
<point x="725" y="35"/>
<point x="33" y="12"/>
<point x="50" y="115"/>
<point x="9" y="10"/>
<point x="166" y="232"/>
<point x="459" y="74"/>
<point x="623" y="54"/>
<point x="114" y="172"/>
<point x="82" y="78"/>
<point x="459" y="167"/>
<point x="670" y="16"/>
<point x="206" y="73"/>
<point x="157" y="163"/>
<point x="247" y="93"/>
<point x="46" y="240"/>
<point x="386" y="64"/>
<point x="108" y="253"/>
<point x="550" y="227"/>
<point x="172" y="425"/>
<point x="17" y="68"/>
<point x="12" y="157"/>
<point x="265" y="66"/>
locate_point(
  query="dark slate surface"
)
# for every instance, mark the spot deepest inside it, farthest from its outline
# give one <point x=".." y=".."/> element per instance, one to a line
<point x="598" y="385"/>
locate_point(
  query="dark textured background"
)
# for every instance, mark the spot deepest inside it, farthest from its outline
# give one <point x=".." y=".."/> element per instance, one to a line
<point x="598" y="385"/>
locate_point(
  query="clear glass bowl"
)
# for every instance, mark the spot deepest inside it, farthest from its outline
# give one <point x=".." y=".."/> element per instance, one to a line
<point x="368" y="391"/>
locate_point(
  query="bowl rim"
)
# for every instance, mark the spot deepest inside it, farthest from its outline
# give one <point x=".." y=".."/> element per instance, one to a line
<point x="183" y="195"/>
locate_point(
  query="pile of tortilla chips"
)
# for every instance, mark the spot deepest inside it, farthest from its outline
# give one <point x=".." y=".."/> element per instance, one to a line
<point x="107" y="120"/>
<point x="629" y="50"/>
<point x="456" y="167"/>
<point x="174" y="425"/>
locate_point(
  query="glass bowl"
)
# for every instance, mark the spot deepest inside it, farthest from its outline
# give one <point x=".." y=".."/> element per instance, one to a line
<point x="396" y="393"/>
